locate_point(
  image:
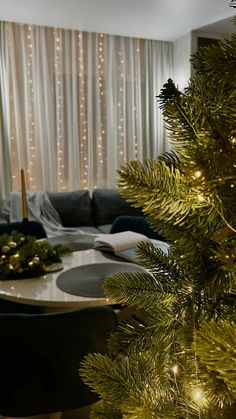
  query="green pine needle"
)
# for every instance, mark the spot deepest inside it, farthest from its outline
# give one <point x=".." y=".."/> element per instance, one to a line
<point x="216" y="347"/>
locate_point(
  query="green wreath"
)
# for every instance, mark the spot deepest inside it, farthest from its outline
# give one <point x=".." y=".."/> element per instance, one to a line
<point x="24" y="256"/>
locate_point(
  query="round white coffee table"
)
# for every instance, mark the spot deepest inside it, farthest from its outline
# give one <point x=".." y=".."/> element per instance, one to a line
<point x="43" y="290"/>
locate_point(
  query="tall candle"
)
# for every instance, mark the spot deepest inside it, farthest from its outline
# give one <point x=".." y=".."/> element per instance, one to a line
<point x="23" y="196"/>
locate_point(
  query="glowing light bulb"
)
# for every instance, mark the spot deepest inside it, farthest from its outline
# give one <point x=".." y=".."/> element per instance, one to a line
<point x="175" y="369"/>
<point x="200" y="198"/>
<point x="198" y="394"/>
<point x="197" y="174"/>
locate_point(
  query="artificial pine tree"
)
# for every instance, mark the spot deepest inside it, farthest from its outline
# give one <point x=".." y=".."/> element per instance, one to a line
<point x="175" y="357"/>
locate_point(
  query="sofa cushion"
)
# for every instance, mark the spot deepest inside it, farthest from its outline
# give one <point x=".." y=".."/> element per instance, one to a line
<point x="107" y="204"/>
<point x="74" y="208"/>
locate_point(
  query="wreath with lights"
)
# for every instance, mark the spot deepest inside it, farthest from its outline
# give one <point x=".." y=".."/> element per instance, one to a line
<point x="26" y="257"/>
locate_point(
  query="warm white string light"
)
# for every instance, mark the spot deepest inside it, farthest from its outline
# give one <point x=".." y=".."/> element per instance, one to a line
<point x="175" y="369"/>
<point x="83" y="129"/>
<point x="197" y="174"/>
<point x="59" y="110"/>
<point x="121" y="107"/>
<point x="101" y="158"/>
<point x="137" y="110"/>
<point x="73" y="128"/>
<point x="31" y="171"/>
<point x="200" y="198"/>
<point x="197" y="391"/>
<point x="16" y="173"/>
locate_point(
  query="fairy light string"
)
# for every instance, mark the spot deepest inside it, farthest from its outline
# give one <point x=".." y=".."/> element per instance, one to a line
<point x="83" y="117"/>
<point x="30" y="126"/>
<point x="101" y="158"/>
<point x="76" y="144"/>
<point x="58" y="67"/>
<point x="197" y="391"/>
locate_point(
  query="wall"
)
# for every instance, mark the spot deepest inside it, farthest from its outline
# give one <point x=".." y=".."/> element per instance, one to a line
<point x="183" y="49"/>
<point x="201" y="34"/>
<point x="181" y="54"/>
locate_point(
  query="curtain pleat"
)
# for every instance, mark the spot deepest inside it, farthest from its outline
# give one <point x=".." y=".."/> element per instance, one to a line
<point x="5" y="143"/>
<point x="78" y="105"/>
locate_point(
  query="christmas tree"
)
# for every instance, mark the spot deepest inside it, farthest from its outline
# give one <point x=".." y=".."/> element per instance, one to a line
<point x="175" y="357"/>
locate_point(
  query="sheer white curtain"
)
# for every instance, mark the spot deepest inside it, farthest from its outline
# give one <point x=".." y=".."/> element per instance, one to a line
<point x="78" y="105"/>
<point x="5" y="160"/>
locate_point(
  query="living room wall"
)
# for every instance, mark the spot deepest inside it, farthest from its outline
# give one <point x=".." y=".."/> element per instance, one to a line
<point x="185" y="47"/>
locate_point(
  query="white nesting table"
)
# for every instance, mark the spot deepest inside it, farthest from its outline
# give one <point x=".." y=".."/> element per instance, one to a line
<point x="43" y="291"/>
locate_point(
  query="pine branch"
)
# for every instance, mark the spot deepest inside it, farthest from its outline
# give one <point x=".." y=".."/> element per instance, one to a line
<point x="118" y="385"/>
<point x="135" y="288"/>
<point x="162" y="266"/>
<point x="216" y="345"/>
<point x="110" y="379"/>
<point x="171" y="159"/>
<point x="169" y="93"/>
<point x="138" y="332"/>
<point x="156" y="188"/>
<point x="189" y="196"/>
<point x="166" y="195"/>
<point x="210" y="61"/>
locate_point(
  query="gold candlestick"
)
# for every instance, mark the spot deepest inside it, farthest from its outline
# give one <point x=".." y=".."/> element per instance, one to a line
<point x="23" y="196"/>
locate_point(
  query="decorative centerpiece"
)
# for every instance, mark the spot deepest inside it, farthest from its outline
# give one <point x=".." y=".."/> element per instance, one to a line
<point x="24" y="256"/>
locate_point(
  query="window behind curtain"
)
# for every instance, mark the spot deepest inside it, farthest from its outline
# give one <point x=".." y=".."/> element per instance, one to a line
<point x="79" y="105"/>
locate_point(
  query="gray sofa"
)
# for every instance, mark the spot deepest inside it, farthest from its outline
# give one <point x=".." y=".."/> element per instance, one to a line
<point x="91" y="212"/>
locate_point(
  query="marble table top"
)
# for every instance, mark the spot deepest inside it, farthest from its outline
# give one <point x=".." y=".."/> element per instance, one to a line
<point x="43" y="290"/>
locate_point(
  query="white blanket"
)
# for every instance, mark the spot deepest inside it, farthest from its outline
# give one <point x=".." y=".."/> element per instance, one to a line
<point x="40" y="209"/>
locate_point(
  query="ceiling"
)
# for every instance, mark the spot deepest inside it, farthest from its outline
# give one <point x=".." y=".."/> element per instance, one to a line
<point x="166" y="20"/>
